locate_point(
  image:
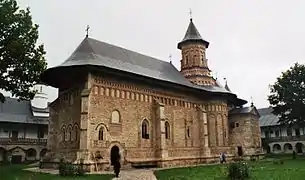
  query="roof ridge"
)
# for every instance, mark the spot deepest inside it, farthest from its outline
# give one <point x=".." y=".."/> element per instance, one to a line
<point x="125" y="49"/>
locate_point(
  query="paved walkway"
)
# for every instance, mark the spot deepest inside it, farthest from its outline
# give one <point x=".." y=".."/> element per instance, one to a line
<point x="132" y="174"/>
<point x="136" y="174"/>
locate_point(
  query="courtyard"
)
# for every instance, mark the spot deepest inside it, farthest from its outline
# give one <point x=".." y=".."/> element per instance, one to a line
<point x="261" y="170"/>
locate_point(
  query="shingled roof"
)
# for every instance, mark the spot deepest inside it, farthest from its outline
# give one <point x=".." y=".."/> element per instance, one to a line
<point x="96" y="53"/>
<point x="267" y="117"/>
<point x="15" y="111"/>
<point x="245" y="110"/>
<point x="192" y="35"/>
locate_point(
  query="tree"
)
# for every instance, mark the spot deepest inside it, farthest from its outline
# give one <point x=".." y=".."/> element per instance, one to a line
<point x="21" y="61"/>
<point x="288" y="96"/>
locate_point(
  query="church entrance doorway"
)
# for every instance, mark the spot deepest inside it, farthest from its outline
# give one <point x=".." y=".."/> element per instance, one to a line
<point x="239" y="151"/>
<point x="114" y="154"/>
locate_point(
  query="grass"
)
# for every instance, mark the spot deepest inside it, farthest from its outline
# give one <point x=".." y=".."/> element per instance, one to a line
<point x="15" y="172"/>
<point x="262" y="170"/>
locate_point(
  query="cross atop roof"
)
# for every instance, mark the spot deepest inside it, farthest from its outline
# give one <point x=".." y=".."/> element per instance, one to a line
<point x="87" y="30"/>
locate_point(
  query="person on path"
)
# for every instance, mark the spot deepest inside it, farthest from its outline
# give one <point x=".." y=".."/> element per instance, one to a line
<point x="223" y="158"/>
<point x="117" y="166"/>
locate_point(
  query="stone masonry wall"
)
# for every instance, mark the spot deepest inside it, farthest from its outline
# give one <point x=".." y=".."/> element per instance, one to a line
<point x="245" y="132"/>
<point x="63" y="138"/>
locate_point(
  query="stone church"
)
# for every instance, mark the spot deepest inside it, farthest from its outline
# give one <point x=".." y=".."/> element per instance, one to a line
<point x="116" y="101"/>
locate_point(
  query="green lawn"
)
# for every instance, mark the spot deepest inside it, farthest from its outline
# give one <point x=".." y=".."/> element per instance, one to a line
<point x="263" y="170"/>
<point x="15" y="172"/>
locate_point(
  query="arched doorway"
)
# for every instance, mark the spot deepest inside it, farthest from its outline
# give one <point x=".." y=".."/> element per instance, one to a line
<point x="239" y="150"/>
<point x="300" y="147"/>
<point x="114" y="154"/>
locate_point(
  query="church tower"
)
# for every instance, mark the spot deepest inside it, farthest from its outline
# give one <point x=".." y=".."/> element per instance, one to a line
<point x="194" y="66"/>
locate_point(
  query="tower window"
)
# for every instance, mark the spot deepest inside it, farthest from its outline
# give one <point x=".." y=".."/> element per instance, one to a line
<point x="186" y="59"/>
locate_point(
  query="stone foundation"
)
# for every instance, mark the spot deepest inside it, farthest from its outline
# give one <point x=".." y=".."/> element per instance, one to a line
<point x="177" y="162"/>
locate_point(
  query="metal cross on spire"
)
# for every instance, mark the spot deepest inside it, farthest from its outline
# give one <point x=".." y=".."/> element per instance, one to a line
<point x="191" y="14"/>
<point x="170" y="58"/>
<point x="87" y="31"/>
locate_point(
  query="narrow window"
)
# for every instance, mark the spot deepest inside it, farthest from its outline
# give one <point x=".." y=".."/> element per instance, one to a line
<point x="167" y="130"/>
<point x="188" y="132"/>
<point x="186" y="59"/>
<point x="145" y="134"/>
<point x="101" y="134"/>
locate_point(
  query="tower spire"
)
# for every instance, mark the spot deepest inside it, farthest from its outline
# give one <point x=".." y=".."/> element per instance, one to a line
<point x="192" y="35"/>
<point x="194" y="64"/>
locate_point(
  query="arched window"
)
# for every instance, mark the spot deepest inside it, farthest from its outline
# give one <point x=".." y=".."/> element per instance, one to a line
<point x="115" y="116"/>
<point x="167" y="130"/>
<point x="63" y="133"/>
<point x="69" y="131"/>
<point x="101" y="134"/>
<point x="145" y="134"/>
<point x="75" y="132"/>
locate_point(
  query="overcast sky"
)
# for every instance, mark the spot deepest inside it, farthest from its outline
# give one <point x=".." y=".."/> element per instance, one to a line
<point x="251" y="42"/>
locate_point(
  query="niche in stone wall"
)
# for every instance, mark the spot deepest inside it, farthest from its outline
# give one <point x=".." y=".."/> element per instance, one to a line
<point x="188" y="133"/>
<point x="220" y="129"/>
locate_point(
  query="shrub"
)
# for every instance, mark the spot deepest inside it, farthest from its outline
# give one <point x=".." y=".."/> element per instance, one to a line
<point x="69" y="169"/>
<point x="237" y="159"/>
<point x="238" y="171"/>
<point x="253" y="158"/>
<point x="278" y="161"/>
